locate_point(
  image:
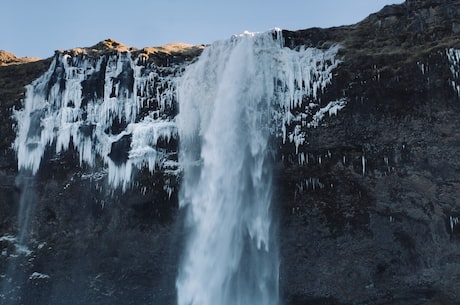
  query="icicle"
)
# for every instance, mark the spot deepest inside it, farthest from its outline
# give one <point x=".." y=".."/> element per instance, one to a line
<point x="453" y="55"/>
<point x="453" y="222"/>
<point x="54" y="112"/>
<point x="331" y="108"/>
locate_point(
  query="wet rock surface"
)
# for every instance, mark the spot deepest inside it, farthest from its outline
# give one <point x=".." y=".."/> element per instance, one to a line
<point x="369" y="215"/>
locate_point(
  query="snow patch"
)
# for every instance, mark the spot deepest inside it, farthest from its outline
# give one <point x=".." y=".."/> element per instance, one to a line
<point x="9" y="238"/>
<point x="20" y="249"/>
<point x="38" y="276"/>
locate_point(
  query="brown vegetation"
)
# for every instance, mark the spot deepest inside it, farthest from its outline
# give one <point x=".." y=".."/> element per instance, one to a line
<point x="7" y="58"/>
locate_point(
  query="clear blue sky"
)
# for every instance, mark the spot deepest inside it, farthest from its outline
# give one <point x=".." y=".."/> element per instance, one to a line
<point x="36" y="28"/>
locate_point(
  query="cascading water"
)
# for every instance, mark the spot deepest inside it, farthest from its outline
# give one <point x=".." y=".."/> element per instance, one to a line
<point x="238" y="94"/>
<point x="225" y="109"/>
<point x="10" y="288"/>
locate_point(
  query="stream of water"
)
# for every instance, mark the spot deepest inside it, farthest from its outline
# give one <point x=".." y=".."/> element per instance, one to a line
<point x="231" y="256"/>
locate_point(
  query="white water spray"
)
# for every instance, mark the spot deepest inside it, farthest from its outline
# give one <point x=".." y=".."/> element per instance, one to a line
<point x="14" y="275"/>
<point x="225" y="107"/>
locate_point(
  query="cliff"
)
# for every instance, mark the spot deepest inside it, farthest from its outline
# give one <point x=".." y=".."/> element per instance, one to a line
<point x="367" y="201"/>
<point x="374" y="219"/>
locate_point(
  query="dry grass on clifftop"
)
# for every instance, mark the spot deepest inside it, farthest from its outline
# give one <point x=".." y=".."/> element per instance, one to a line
<point x="7" y="58"/>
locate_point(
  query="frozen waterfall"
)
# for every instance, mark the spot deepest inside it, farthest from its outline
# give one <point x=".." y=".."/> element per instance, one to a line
<point x="113" y="108"/>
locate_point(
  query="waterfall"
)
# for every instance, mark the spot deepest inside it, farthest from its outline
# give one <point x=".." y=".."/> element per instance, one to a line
<point x="117" y="112"/>
<point x="225" y="99"/>
<point x="241" y="92"/>
<point x="13" y="276"/>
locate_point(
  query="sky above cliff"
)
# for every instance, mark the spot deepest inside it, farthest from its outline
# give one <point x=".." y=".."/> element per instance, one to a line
<point x="37" y="28"/>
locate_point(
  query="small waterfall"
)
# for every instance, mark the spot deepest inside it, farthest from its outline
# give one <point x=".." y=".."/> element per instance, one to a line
<point x="14" y="277"/>
<point x="225" y="110"/>
<point x="26" y="183"/>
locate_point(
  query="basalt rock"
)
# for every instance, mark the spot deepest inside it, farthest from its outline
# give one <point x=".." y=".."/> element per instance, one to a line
<point x="371" y="218"/>
<point x="367" y="206"/>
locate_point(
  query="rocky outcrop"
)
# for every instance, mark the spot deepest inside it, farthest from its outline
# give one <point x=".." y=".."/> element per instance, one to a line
<point x="367" y="205"/>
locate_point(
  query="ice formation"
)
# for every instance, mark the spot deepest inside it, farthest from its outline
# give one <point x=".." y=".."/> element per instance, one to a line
<point x="453" y="56"/>
<point x="119" y="110"/>
<point x="38" y="276"/>
<point x="363" y="165"/>
<point x="453" y="221"/>
<point x="111" y="108"/>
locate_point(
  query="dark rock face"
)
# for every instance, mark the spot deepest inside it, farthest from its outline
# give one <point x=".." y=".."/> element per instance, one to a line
<point x="370" y="218"/>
